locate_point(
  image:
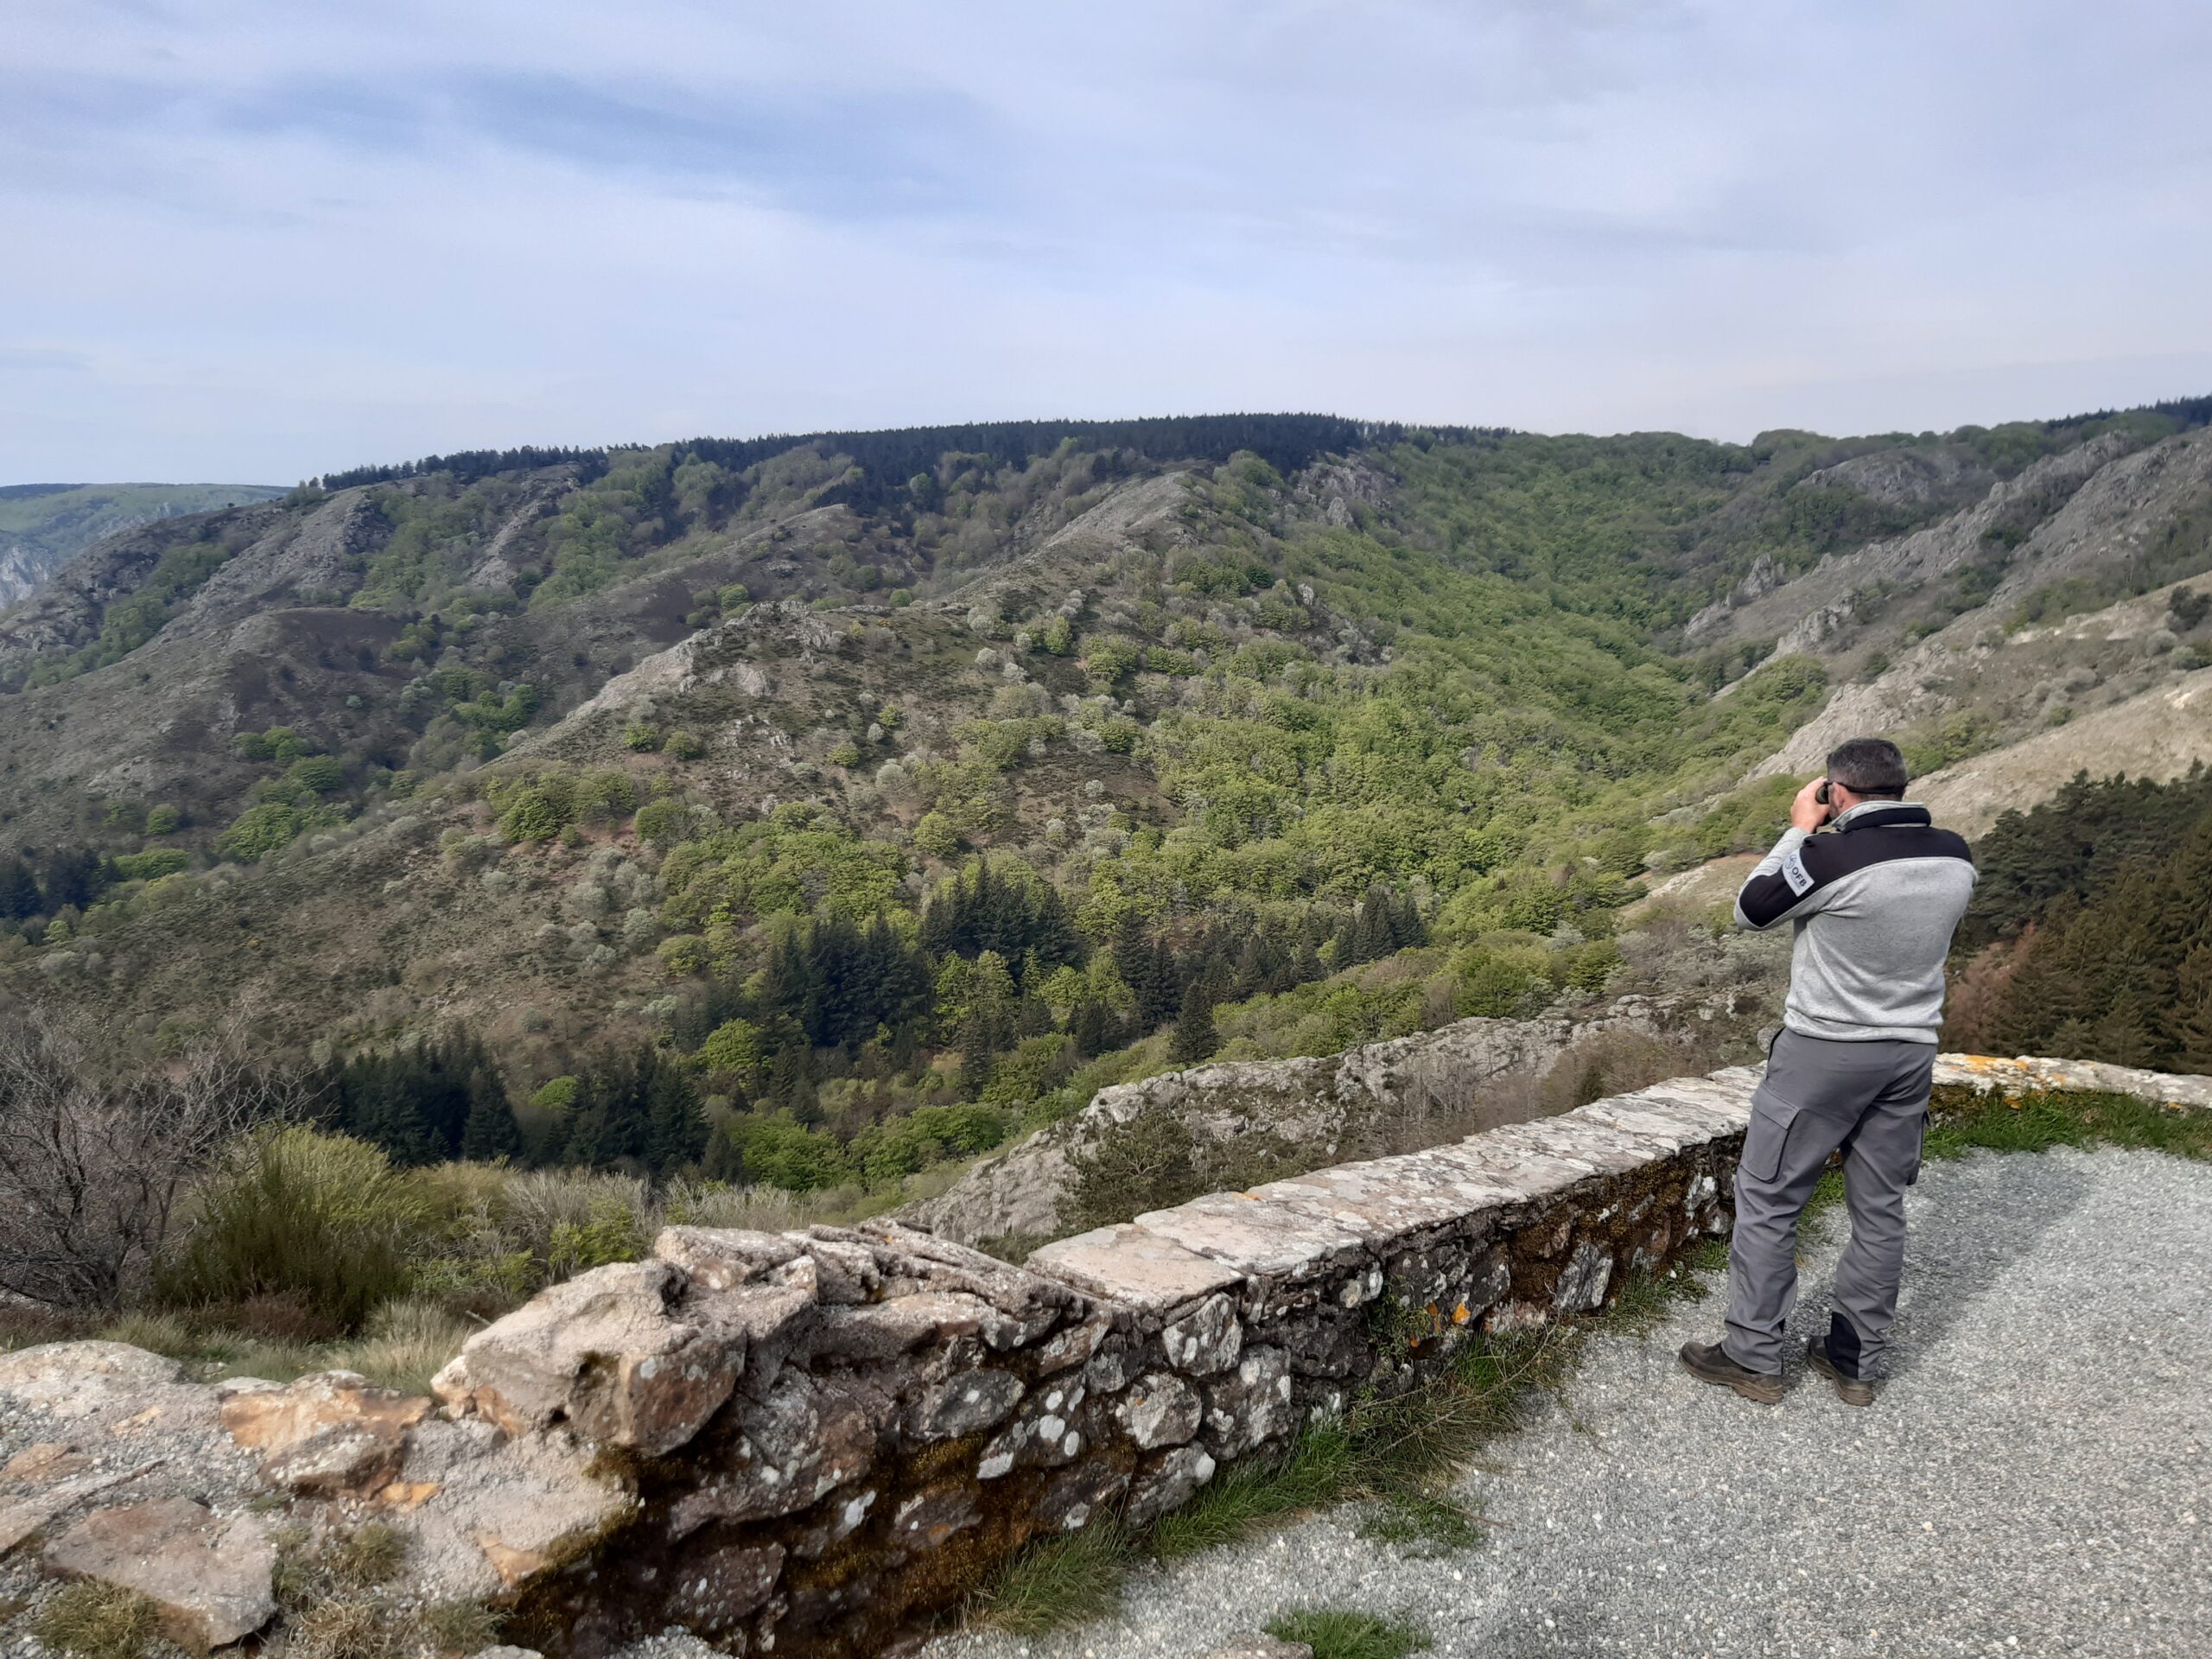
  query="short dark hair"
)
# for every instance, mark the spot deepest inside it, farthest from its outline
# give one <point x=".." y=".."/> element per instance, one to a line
<point x="1868" y="766"/>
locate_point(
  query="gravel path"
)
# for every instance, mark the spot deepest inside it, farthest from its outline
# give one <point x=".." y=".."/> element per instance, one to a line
<point x="2036" y="1479"/>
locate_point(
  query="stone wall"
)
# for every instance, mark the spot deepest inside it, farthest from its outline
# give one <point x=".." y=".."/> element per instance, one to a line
<point x="1283" y="1115"/>
<point x="808" y="1442"/>
<point x="825" y="1436"/>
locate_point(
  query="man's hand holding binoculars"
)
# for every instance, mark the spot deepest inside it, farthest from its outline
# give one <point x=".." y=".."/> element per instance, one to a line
<point x="1812" y="808"/>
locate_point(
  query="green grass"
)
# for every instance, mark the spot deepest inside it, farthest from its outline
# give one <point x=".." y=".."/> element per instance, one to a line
<point x="97" y="1621"/>
<point x="1341" y="1633"/>
<point x="1062" y="1580"/>
<point x="1966" y="1120"/>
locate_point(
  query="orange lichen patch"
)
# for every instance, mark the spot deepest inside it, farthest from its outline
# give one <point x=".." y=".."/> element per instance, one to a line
<point x="273" y="1420"/>
<point x="132" y="1425"/>
<point x="47" y="1460"/>
<point x="408" y="1494"/>
<point x="1461" y="1314"/>
<point x="512" y="1566"/>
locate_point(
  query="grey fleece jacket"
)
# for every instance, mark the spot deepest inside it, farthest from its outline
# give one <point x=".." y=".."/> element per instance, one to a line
<point x="1874" y="903"/>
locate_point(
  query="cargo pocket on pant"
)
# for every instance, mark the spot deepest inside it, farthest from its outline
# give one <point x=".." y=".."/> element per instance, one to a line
<point x="1919" y="1150"/>
<point x="1768" y="1137"/>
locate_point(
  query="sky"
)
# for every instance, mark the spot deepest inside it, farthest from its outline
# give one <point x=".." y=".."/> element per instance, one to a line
<point x="251" y="243"/>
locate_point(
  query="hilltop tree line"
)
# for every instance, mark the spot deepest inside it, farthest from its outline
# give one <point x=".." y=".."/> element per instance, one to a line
<point x="887" y="459"/>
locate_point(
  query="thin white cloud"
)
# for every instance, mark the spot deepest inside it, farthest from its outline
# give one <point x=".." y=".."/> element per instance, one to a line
<point x="266" y="240"/>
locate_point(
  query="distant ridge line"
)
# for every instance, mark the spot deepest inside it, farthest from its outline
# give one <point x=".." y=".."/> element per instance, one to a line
<point x="890" y="455"/>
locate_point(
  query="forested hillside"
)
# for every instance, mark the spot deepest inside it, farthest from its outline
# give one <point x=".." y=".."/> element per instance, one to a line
<point x="2091" y="932"/>
<point x="811" y="811"/>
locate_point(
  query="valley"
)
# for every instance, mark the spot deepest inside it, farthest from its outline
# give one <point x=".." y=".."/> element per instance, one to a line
<point x="895" y="792"/>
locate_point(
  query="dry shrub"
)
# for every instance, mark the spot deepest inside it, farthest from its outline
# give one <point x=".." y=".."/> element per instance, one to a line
<point x="1619" y="1062"/>
<point x="537" y="1205"/>
<point x="1980" y="991"/>
<point x="1509" y="1097"/>
<point x="406" y="1344"/>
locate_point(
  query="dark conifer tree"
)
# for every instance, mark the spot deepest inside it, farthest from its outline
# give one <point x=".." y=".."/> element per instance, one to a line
<point x="1093" y="1028"/>
<point x="1160" y="994"/>
<point x="377" y="1105"/>
<point x="1132" y="951"/>
<point x="676" y="1129"/>
<point x="72" y="877"/>
<point x="1195" y="1038"/>
<point x="490" y="1132"/>
<point x="19" y="894"/>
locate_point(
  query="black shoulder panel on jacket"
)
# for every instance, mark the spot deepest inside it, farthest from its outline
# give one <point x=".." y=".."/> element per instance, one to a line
<point x="1819" y="861"/>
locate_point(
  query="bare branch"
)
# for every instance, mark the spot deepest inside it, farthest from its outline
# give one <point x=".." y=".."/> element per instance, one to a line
<point x="91" y="1166"/>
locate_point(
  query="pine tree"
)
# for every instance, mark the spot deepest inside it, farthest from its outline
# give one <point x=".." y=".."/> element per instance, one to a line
<point x="2189" y="1024"/>
<point x="19" y="894"/>
<point x="610" y="1125"/>
<point x="988" y="1024"/>
<point x="73" y="878"/>
<point x="1161" y="994"/>
<point x="1195" y="1038"/>
<point x="1093" y="1028"/>
<point x="1132" y="951"/>
<point x="676" y="1129"/>
<point x="490" y="1132"/>
<point x="378" y="1107"/>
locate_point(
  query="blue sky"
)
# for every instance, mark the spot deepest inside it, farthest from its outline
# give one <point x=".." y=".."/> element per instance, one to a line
<point x="250" y="242"/>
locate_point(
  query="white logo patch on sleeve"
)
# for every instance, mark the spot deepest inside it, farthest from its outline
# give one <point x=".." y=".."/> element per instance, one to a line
<point x="1795" y="872"/>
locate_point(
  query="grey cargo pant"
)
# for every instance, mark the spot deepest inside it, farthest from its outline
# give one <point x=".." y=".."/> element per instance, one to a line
<point x="1870" y="1099"/>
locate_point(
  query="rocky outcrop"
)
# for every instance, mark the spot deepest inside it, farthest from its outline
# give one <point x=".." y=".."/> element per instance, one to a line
<point x="1311" y="1110"/>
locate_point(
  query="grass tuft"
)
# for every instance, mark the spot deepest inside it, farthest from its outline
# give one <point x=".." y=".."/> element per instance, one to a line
<point x="1342" y="1633"/>
<point x="98" y="1621"/>
<point x="347" y="1628"/>
<point x="1058" y="1581"/>
<point x="461" y="1626"/>
<point x="316" y="1568"/>
<point x="1967" y="1120"/>
<point x="369" y="1555"/>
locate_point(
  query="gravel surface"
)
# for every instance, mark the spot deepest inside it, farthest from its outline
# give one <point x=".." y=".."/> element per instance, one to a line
<point x="2035" y="1480"/>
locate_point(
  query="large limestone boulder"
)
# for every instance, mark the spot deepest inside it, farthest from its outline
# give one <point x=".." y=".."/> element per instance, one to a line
<point x="209" y="1575"/>
<point x="604" y="1353"/>
<point x="72" y="1380"/>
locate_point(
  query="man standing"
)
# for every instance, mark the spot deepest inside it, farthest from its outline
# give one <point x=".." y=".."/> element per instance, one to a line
<point x="1874" y="905"/>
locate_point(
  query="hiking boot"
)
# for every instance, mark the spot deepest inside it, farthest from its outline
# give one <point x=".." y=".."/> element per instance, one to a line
<point x="1852" y="1390"/>
<point x="1709" y="1363"/>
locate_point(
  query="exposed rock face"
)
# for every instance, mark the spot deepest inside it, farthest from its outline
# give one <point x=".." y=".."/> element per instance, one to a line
<point x="1313" y="1106"/>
